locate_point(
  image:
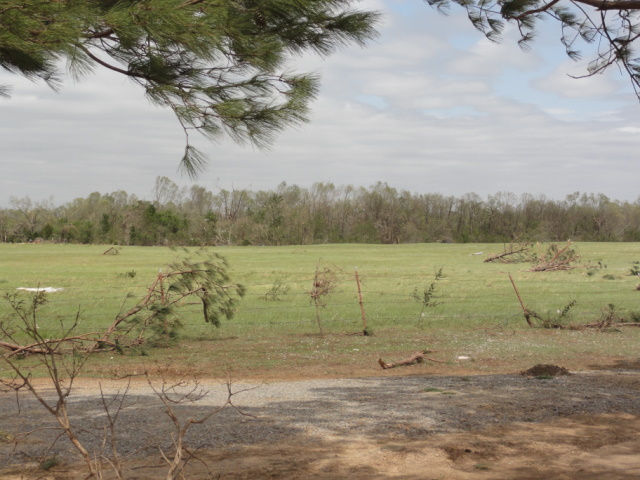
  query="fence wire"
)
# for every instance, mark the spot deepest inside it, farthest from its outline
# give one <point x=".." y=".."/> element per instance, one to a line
<point x="386" y="299"/>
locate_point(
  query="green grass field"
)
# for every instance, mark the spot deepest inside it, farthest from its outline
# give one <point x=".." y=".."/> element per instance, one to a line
<point x="478" y="313"/>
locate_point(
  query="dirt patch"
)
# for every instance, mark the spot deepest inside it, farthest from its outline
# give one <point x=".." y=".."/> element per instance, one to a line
<point x="545" y="370"/>
<point x="559" y="449"/>
<point x="500" y="426"/>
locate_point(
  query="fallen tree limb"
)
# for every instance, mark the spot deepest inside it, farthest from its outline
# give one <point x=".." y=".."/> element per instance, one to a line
<point x="418" y="357"/>
<point x="15" y="349"/>
<point x="610" y="325"/>
<point x="502" y="257"/>
<point x="37" y="348"/>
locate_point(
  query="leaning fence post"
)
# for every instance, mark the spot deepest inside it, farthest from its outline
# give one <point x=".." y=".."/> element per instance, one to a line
<point x="527" y="315"/>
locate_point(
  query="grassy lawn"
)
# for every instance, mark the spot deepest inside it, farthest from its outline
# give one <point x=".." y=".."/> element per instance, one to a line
<point x="477" y="313"/>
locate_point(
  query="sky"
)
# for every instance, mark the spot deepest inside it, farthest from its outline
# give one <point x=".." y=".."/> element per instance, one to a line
<point x="430" y="106"/>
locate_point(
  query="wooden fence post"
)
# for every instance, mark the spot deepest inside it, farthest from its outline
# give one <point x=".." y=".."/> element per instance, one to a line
<point x="364" y="316"/>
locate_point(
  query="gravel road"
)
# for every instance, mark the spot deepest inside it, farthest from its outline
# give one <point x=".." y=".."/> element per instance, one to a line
<point x="398" y="407"/>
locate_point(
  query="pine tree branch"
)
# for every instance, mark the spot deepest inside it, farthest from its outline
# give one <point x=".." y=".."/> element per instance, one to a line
<point x="102" y="34"/>
<point x="545" y="8"/>
<point x="604" y="5"/>
<point x="109" y="66"/>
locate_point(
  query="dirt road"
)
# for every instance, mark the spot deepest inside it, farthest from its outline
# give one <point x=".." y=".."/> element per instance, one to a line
<point x="503" y="426"/>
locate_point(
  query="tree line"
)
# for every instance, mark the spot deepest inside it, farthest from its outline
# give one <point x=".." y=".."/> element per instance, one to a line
<point x="322" y="213"/>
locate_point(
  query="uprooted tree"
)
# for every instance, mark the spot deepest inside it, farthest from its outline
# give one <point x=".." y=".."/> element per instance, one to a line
<point x="198" y="278"/>
<point x="193" y="279"/>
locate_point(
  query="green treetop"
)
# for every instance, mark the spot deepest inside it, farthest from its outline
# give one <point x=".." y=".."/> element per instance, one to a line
<point x="219" y="64"/>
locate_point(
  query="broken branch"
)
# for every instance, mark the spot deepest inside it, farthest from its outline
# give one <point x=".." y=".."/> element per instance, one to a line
<point x="418" y="357"/>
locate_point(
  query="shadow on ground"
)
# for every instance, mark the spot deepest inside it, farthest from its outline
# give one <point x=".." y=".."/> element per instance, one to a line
<point x="493" y="426"/>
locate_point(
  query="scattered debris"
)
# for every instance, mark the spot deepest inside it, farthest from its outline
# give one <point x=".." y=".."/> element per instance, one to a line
<point x="41" y="289"/>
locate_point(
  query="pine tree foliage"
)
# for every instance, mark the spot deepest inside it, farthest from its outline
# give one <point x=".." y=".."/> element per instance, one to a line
<point x="221" y="65"/>
<point x="612" y="27"/>
<point x="204" y="274"/>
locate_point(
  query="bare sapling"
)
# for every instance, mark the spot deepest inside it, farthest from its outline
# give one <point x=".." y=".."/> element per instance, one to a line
<point x="113" y="405"/>
<point x="185" y="392"/>
<point x="62" y="360"/>
<point x="324" y="283"/>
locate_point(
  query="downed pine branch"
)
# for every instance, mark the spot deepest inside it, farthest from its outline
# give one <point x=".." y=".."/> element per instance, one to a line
<point x="502" y="257"/>
<point x="418" y="357"/>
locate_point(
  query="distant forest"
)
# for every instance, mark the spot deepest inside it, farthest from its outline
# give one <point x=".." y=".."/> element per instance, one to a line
<point x="323" y="213"/>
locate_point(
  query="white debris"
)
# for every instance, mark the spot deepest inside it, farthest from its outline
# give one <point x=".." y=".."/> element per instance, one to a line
<point x="462" y="357"/>
<point x="477" y="253"/>
<point x="41" y="289"/>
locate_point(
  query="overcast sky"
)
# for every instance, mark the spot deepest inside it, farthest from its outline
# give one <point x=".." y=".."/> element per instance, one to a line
<point x="430" y="107"/>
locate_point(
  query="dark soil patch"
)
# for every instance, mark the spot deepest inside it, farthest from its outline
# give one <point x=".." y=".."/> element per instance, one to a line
<point x="545" y="370"/>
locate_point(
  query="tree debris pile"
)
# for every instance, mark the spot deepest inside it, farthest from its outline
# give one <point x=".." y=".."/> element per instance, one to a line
<point x="555" y="258"/>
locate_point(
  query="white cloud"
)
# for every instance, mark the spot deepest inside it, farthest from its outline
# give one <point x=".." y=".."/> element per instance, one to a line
<point x="487" y="58"/>
<point x="564" y="81"/>
<point x="629" y="129"/>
